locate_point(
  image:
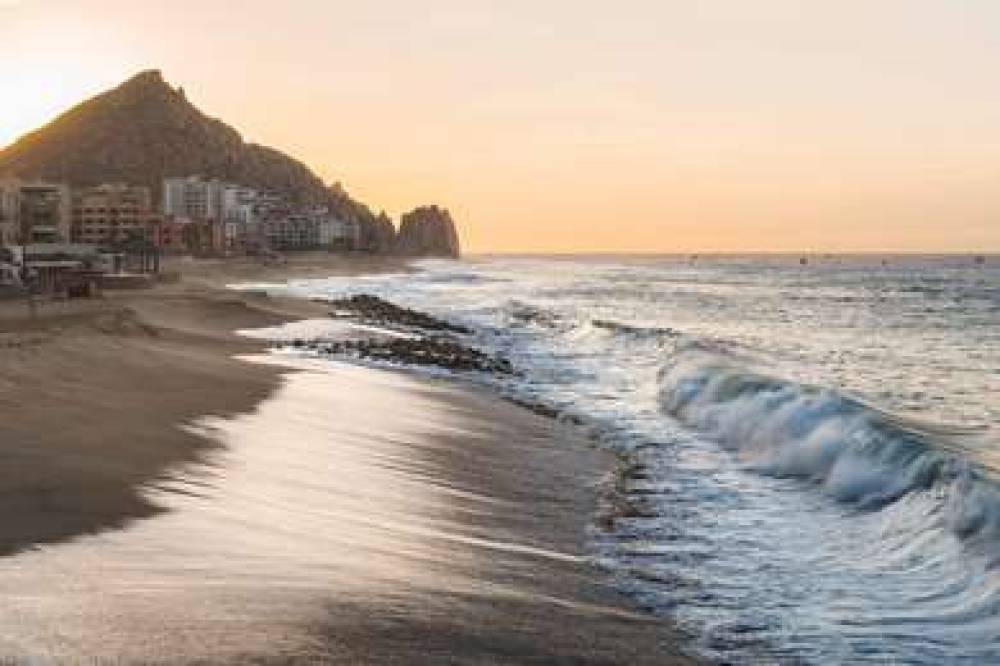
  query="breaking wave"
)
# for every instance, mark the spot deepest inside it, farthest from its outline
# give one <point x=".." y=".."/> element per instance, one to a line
<point x="856" y="453"/>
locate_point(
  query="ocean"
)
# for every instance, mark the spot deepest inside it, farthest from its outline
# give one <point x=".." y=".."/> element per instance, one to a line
<point x="813" y="444"/>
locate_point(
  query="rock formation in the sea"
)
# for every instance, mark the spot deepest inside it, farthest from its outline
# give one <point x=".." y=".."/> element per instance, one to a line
<point x="428" y="231"/>
<point x="380" y="233"/>
<point x="145" y="130"/>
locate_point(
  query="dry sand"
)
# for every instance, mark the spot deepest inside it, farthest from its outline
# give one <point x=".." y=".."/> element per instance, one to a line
<point x="352" y="516"/>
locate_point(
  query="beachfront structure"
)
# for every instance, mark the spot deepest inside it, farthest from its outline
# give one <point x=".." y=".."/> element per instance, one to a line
<point x="68" y="268"/>
<point x="240" y="220"/>
<point x="309" y="231"/>
<point x="168" y="234"/>
<point x="240" y="237"/>
<point x="196" y="198"/>
<point x="111" y="214"/>
<point x="193" y="197"/>
<point x="339" y="233"/>
<point x="292" y="232"/>
<point x="226" y="216"/>
<point x="8" y="213"/>
<point x="10" y="272"/>
<point x="45" y="211"/>
<point x="238" y="204"/>
<point x="207" y="237"/>
<point x="34" y="212"/>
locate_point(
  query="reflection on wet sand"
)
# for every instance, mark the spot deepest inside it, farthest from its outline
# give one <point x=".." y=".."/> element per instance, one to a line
<point x="356" y="515"/>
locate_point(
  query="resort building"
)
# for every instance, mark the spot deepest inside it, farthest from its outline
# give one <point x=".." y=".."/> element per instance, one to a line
<point x="9" y="216"/>
<point x="110" y="214"/>
<point x="292" y="232"/>
<point x="45" y="211"/>
<point x="309" y="231"/>
<point x="238" y="204"/>
<point x="193" y="197"/>
<point x="10" y="272"/>
<point x="338" y="233"/>
<point x="34" y="212"/>
<point x="226" y="217"/>
<point x="240" y="226"/>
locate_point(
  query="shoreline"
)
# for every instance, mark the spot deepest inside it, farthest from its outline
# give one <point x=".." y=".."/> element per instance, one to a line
<point x="102" y="388"/>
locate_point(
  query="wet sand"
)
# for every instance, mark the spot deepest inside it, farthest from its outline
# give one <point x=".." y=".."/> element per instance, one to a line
<point x="172" y="496"/>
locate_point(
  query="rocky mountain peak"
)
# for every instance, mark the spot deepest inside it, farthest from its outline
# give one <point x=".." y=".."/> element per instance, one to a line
<point x="146" y="78"/>
<point x="428" y="231"/>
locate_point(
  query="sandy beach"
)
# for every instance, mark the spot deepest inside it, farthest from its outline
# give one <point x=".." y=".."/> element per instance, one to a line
<point x="171" y="494"/>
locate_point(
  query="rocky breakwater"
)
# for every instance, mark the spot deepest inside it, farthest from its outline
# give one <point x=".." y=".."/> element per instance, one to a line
<point x="428" y="231"/>
<point x="436" y="352"/>
<point x="411" y="338"/>
<point x="380" y="312"/>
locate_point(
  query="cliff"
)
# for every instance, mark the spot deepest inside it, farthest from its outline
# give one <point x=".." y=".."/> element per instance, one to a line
<point x="428" y="231"/>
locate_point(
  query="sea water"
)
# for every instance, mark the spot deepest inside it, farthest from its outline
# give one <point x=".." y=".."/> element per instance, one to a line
<point x="813" y="443"/>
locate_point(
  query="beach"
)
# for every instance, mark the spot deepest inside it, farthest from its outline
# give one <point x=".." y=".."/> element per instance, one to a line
<point x="175" y="494"/>
<point x="785" y="496"/>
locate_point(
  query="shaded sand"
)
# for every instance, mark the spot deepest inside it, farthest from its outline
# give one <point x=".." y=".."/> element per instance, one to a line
<point x="325" y="514"/>
<point x="92" y="390"/>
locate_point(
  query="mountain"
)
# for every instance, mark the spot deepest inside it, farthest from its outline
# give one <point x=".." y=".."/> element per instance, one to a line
<point x="145" y="130"/>
<point x="428" y="231"/>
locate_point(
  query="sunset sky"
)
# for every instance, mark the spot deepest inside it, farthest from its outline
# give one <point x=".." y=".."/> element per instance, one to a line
<point x="570" y="125"/>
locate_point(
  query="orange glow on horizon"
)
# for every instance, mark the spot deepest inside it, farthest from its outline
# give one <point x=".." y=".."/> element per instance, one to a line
<point x="559" y="127"/>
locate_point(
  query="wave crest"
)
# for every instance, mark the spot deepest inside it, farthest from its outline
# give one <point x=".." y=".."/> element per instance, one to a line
<point x="856" y="452"/>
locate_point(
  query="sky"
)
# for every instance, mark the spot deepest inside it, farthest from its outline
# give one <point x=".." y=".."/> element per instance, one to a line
<point x="579" y="126"/>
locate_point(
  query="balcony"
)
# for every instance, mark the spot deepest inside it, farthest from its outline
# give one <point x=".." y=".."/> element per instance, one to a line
<point x="44" y="233"/>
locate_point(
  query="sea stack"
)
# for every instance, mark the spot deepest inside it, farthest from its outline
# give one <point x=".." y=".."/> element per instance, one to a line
<point x="428" y="231"/>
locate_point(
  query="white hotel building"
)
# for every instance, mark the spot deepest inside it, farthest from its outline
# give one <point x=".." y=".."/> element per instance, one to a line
<point x="193" y="198"/>
<point x="247" y="218"/>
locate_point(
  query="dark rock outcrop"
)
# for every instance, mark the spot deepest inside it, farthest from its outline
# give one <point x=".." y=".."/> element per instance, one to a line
<point x="378" y="234"/>
<point x="428" y="231"/>
<point x="438" y="352"/>
<point x="429" y="341"/>
<point x="380" y="312"/>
